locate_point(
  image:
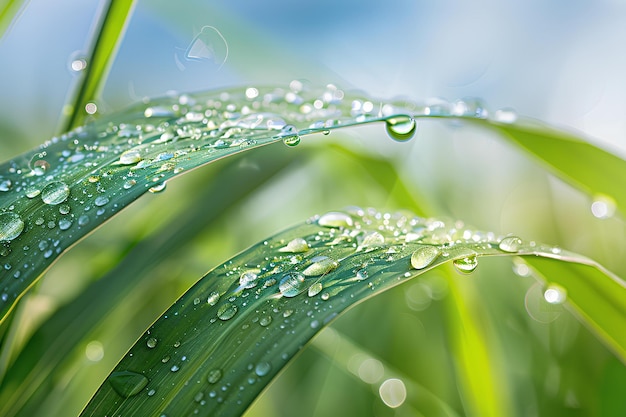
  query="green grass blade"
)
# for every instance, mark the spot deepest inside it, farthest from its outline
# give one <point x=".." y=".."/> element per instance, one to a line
<point x="111" y="28"/>
<point x="214" y="350"/>
<point x="30" y="384"/>
<point x="8" y="11"/>
<point x="583" y="165"/>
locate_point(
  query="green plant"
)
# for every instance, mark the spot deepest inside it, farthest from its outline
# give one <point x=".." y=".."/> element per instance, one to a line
<point x="244" y="320"/>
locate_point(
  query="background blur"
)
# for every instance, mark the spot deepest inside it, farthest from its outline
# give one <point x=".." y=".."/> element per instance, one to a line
<point x="560" y="61"/>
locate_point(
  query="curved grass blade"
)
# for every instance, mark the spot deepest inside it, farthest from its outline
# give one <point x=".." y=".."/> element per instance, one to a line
<point x="55" y="195"/>
<point x="9" y="9"/>
<point x="214" y="350"/>
<point x="114" y="21"/>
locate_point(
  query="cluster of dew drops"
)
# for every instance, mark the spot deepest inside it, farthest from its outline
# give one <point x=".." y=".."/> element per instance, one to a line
<point x="303" y="267"/>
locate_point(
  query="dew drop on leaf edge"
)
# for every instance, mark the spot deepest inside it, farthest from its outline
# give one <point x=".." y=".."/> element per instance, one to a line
<point x="466" y="264"/>
<point x="127" y="383"/>
<point x="510" y="244"/>
<point x="424" y="256"/>
<point x="401" y="128"/>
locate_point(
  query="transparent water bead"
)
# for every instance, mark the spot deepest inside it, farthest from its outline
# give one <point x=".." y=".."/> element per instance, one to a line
<point x="296" y="245"/>
<point x="315" y="289"/>
<point x="320" y="266"/>
<point x="424" y="256"/>
<point x="5" y="185"/>
<point x="214" y="376"/>
<point x="371" y="239"/>
<point x="290" y="135"/>
<point x="510" y="244"/>
<point x="292" y="284"/>
<point x="226" y="311"/>
<point x="213" y="298"/>
<point x="129" y="157"/>
<point x="151" y="343"/>
<point x="603" y="207"/>
<point x="248" y="279"/>
<point x="393" y="392"/>
<point x="555" y="294"/>
<point x="467" y="264"/>
<point x="55" y="193"/>
<point x="263" y="368"/>
<point x="335" y="219"/>
<point x="158" y="188"/>
<point x="11" y="226"/>
<point x="506" y="115"/>
<point x="401" y="128"/>
<point x="127" y="383"/>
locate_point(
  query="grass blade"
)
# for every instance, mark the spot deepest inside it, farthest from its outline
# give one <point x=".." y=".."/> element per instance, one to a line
<point x="197" y="358"/>
<point x="114" y="21"/>
<point x="9" y="9"/>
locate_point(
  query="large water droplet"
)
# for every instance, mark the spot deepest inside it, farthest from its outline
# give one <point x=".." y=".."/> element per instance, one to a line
<point x="11" y="226"/>
<point x="158" y="187"/>
<point x="296" y="245"/>
<point x="320" y="267"/>
<point x="213" y="298"/>
<point x="214" y="376"/>
<point x="262" y="368"/>
<point x="292" y="284"/>
<point x="127" y="383"/>
<point x="401" y="128"/>
<point x="335" y="219"/>
<point x="55" y="193"/>
<point x="372" y="239"/>
<point x="467" y="264"/>
<point x="555" y="294"/>
<point x="226" y="311"/>
<point x="5" y="185"/>
<point x="315" y="289"/>
<point x="131" y="156"/>
<point x="151" y="343"/>
<point x="290" y="135"/>
<point x="424" y="256"/>
<point x="510" y="244"/>
<point x="248" y="279"/>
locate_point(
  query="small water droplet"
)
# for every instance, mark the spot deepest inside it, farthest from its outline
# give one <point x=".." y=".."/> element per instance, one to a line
<point x="292" y="284"/>
<point x="128" y="184"/>
<point x="262" y="368"/>
<point x="603" y="207"/>
<point x="5" y="185"/>
<point x="101" y="201"/>
<point x="424" y="256"/>
<point x="361" y="274"/>
<point x="151" y="392"/>
<point x="248" y="279"/>
<point x="32" y="192"/>
<point x="151" y="343"/>
<point x="321" y="266"/>
<point x="55" y="193"/>
<point x="65" y="224"/>
<point x="11" y="226"/>
<point x="467" y="264"/>
<point x="296" y="245"/>
<point x="401" y="128"/>
<point x="64" y="209"/>
<point x="510" y="244"/>
<point x="265" y="321"/>
<point x="315" y="289"/>
<point x="127" y="383"/>
<point x="555" y="294"/>
<point x="174" y="368"/>
<point x="213" y="298"/>
<point x="506" y="115"/>
<point x="335" y="219"/>
<point x="83" y="220"/>
<point x="372" y="239"/>
<point x="158" y="188"/>
<point x="39" y="166"/>
<point x="214" y="376"/>
<point x="290" y="135"/>
<point x="226" y="311"/>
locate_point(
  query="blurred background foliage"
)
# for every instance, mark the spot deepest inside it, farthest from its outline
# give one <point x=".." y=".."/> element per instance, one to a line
<point x="562" y="62"/>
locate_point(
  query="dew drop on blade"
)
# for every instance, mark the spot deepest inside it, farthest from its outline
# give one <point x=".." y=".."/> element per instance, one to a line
<point x="11" y="226"/>
<point x="467" y="264"/>
<point x="226" y="311"/>
<point x="55" y="193"/>
<point x="335" y="219"/>
<point x="127" y="383"/>
<point x="292" y="284"/>
<point x="296" y="245"/>
<point x="214" y="376"/>
<point x="510" y="244"/>
<point x="321" y="267"/>
<point x="401" y="128"/>
<point x="424" y="256"/>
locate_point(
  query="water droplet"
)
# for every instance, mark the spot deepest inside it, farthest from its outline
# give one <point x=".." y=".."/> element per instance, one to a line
<point x="555" y="294"/>
<point x="208" y="45"/>
<point x="248" y="279"/>
<point x="128" y="184"/>
<point x="262" y="368"/>
<point x="296" y="245"/>
<point x="11" y="226"/>
<point x="213" y="298"/>
<point x="424" y="256"/>
<point x="83" y="220"/>
<point x="292" y="284"/>
<point x="65" y="224"/>
<point x="361" y="274"/>
<point x="129" y="157"/>
<point x="64" y="209"/>
<point x="127" y="383"/>
<point x="290" y="135"/>
<point x="39" y="166"/>
<point x="335" y="219"/>
<point x="77" y="62"/>
<point x="101" y="201"/>
<point x="510" y="244"/>
<point x="506" y="115"/>
<point x="603" y="207"/>
<point x="174" y="368"/>
<point x="315" y="289"/>
<point x="321" y="266"/>
<point x="5" y="185"/>
<point x="265" y="321"/>
<point x="392" y="392"/>
<point x="226" y="311"/>
<point x="214" y="376"/>
<point x="466" y="264"/>
<point x="372" y="239"/>
<point x="151" y="392"/>
<point x="91" y="108"/>
<point x="198" y="397"/>
<point x="55" y="193"/>
<point x="151" y="343"/>
<point x="32" y="192"/>
<point x="401" y="128"/>
<point x="157" y="188"/>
